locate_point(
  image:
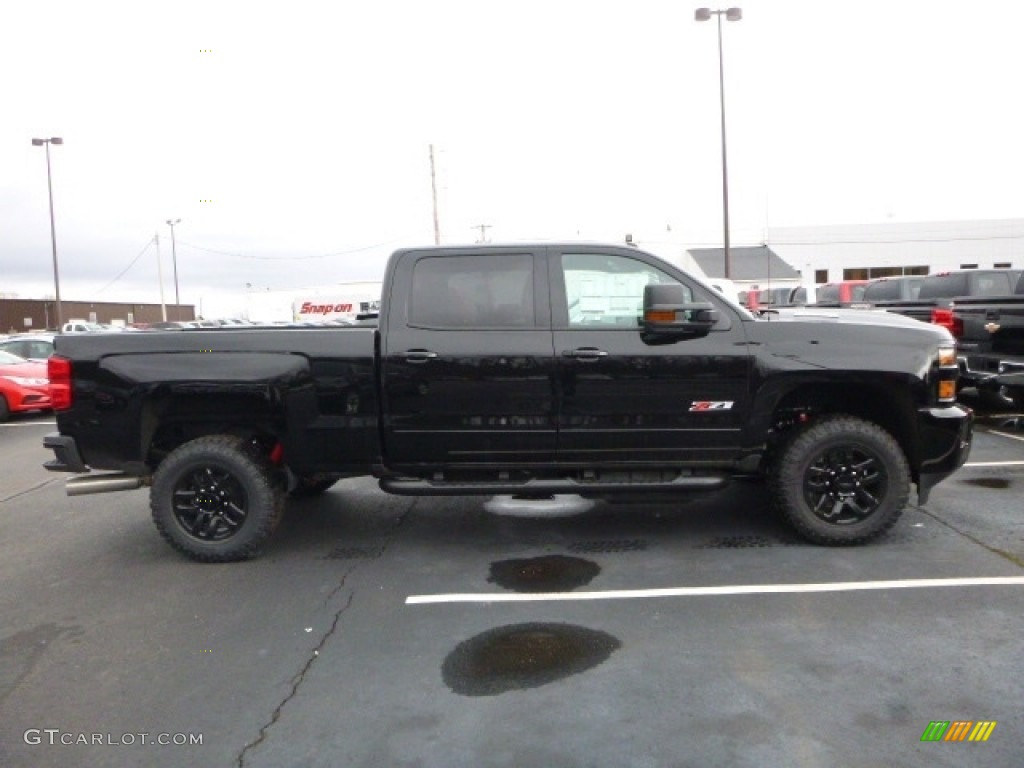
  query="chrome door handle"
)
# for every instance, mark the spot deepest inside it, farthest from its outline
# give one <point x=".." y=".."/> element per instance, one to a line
<point x="585" y="353"/>
<point x="418" y="355"/>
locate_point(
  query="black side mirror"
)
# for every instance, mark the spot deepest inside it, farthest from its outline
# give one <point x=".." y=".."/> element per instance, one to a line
<point x="668" y="316"/>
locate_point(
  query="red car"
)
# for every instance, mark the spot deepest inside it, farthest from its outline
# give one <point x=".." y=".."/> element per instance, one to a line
<point x="24" y="385"/>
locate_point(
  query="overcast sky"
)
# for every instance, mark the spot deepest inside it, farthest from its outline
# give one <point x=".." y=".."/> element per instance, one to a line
<point x="292" y="138"/>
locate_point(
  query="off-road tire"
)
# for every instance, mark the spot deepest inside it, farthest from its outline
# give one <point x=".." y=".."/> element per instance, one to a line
<point x="215" y="499"/>
<point x="841" y="481"/>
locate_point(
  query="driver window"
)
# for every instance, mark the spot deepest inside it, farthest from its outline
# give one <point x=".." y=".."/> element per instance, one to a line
<point x="607" y="290"/>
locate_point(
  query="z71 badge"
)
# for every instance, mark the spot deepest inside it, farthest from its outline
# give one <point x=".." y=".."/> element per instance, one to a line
<point x="711" y="405"/>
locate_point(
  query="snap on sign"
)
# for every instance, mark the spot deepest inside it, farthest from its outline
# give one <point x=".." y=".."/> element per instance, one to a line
<point x="309" y="308"/>
<point x="322" y="308"/>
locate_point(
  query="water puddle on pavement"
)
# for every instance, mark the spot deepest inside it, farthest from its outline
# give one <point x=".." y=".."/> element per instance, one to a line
<point x="549" y="573"/>
<point x="522" y="656"/>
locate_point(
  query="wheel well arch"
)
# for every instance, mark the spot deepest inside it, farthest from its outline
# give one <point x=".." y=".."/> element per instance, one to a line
<point x="172" y="421"/>
<point x="886" y="404"/>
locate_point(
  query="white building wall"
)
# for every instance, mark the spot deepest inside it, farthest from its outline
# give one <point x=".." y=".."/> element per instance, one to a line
<point x="936" y="245"/>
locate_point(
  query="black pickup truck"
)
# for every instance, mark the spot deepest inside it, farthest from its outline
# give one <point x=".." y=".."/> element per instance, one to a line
<point x="989" y="333"/>
<point x="522" y="369"/>
<point x="984" y="310"/>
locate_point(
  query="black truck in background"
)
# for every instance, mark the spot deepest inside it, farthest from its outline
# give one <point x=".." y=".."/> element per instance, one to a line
<point x="528" y="370"/>
<point x="984" y="311"/>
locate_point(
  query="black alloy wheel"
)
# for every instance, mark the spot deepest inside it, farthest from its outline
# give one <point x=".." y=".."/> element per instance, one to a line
<point x="210" y="504"/>
<point x="845" y="485"/>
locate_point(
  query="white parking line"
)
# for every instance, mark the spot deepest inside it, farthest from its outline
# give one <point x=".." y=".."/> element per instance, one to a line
<point x="1003" y="434"/>
<point x="31" y="424"/>
<point x="745" y="589"/>
<point x="994" y="464"/>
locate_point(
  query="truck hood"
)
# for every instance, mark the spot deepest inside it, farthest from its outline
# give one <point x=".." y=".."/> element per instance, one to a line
<point x="847" y="339"/>
<point x="875" y="317"/>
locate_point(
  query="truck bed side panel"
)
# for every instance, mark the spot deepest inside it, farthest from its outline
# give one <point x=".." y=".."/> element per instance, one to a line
<point x="312" y="388"/>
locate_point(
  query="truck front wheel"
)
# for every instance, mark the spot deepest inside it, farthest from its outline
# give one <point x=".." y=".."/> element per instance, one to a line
<point x="841" y="481"/>
<point x="215" y="499"/>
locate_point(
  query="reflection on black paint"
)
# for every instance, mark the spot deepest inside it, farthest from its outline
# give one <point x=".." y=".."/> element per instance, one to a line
<point x="524" y="656"/>
<point x="551" y="573"/>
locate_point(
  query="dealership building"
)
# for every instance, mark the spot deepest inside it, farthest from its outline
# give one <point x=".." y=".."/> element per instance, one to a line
<point x="812" y="256"/>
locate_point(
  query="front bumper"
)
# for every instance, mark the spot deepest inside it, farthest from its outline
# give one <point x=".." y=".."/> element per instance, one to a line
<point x="23" y="399"/>
<point x="990" y="371"/>
<point x="944" y="435"/>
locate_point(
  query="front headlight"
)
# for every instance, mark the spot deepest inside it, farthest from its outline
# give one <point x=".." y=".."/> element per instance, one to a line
<point x="22" y="381"/>
<point x="947" y="357"/>
<point x="948" y="373"/>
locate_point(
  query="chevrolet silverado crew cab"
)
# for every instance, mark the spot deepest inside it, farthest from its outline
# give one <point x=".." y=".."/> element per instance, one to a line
<point x="528" y="370"/>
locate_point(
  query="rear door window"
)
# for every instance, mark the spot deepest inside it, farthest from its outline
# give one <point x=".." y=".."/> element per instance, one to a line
<point x="466" y="291"/>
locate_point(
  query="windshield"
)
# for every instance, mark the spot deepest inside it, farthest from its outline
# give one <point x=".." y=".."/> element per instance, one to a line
<point x="6" y="358"/>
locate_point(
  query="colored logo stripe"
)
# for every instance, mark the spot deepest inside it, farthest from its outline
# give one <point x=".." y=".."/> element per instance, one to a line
<point x="958" y="730"/>
<point x="935" y="731"/>
<point x="983" y="730"/>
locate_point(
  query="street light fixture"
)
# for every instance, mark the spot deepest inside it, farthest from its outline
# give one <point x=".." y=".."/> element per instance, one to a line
<point x="53" y="229"/>
<point x="174" y="261"/>
<point x="731" y="14"/>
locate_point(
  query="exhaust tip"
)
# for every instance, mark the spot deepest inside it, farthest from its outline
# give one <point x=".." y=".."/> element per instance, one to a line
<point x="118" y="481"/>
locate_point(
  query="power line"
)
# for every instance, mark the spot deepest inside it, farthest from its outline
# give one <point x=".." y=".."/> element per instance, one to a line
<point x="132" y="264"/>
<point x="286" y="258"/>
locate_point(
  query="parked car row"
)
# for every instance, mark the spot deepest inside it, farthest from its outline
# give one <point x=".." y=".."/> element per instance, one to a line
<point x="31" y="346"/>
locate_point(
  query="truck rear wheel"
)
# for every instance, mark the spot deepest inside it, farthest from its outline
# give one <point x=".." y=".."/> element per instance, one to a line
<point x="215" y="499"/>
<point x="841" y="481"/>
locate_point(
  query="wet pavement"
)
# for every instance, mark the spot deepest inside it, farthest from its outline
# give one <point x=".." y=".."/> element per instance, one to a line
<point x="603" y="639"/>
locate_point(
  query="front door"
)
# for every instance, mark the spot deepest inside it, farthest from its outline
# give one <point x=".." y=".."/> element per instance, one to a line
<point x="624" y="401"/>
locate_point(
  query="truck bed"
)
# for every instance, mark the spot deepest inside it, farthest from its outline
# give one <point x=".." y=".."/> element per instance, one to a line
<point x="324" y="376"/>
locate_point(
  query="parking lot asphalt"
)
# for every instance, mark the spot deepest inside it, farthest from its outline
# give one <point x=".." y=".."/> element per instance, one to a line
<point x="387" y="631"/>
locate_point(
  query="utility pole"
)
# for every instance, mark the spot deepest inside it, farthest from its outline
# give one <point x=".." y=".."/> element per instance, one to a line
<point x="433" y="191"/>
<point x="483" y="232"/>
<point x="53" y="228"/>
<point x="160" y="277"/>
<point x="174" y="259"/>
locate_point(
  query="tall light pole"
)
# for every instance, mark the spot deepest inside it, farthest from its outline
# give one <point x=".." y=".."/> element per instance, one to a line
<point x="53" y="229"/>
<point x="174" y="261"/>
<point x="731" y="14"/>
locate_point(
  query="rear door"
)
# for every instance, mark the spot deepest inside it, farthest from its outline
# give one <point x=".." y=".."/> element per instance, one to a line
<point x="622" y="400"/>
<point x="468" y="360"/>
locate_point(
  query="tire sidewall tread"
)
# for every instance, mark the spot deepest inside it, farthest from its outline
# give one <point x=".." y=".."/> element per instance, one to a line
<point x="786" y="481"/>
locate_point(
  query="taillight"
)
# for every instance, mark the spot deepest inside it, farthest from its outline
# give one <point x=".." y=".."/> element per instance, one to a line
<point x="948" y="320"/>
<point x="59" y="371"/>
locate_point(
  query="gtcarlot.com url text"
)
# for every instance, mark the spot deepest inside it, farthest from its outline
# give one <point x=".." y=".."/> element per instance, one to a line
<point x="57" y="737"/>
